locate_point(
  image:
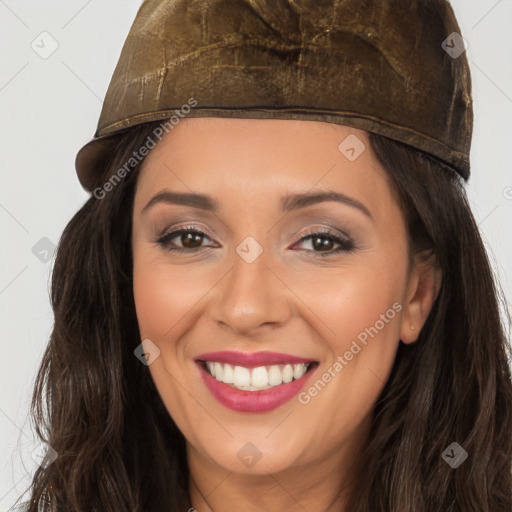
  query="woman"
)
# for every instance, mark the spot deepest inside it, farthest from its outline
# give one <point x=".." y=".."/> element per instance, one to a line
<point x="277" y="296"/>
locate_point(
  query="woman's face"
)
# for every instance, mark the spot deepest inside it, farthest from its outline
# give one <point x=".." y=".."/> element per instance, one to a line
<point x="271" y="267"/>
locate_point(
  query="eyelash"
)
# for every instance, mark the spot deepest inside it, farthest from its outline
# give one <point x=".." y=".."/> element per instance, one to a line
<point x="346" y="245"/>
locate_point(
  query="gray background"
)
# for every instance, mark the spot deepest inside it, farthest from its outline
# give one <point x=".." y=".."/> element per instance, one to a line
<point x="50" y="107"/>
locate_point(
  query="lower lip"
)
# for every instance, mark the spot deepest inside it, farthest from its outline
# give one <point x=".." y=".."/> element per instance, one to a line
<point x="253" y="401"/>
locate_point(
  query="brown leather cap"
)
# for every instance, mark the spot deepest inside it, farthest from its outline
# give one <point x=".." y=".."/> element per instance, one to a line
<point x="393" y="67"/>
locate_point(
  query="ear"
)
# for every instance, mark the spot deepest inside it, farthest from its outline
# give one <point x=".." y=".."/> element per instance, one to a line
<point x="423" y="286"/>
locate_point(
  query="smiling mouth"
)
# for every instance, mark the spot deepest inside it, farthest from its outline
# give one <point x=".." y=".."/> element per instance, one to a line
<point x="256" y="378"/>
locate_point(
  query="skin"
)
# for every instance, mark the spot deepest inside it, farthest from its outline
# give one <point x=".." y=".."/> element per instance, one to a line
<point x="287" y="300"/>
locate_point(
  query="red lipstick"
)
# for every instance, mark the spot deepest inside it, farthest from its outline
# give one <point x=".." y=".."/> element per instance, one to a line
<point x="251" y="360"/>
<point x="253" y="401"/>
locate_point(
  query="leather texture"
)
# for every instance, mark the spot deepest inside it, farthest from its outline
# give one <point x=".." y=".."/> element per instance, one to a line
<point x="376" y="65"/>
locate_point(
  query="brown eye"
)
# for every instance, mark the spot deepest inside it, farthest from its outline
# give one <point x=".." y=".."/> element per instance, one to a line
<point x="190" y="239"/>
<point x="322" y="243"/>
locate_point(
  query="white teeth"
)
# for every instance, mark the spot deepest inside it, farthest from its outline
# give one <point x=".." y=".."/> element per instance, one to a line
<point x="218" y="371"/>
<point x="241" y="376"/>
<point x="298" y="370"/>
<point x="255" y="379"/>
<point x="275" y="376"/>
<point x="288" y="373"/>
<point x="259" y="377"/>
<point x="228" y="375"/>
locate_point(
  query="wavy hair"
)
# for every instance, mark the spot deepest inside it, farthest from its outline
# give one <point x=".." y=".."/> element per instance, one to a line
<point x="120" y="451"/>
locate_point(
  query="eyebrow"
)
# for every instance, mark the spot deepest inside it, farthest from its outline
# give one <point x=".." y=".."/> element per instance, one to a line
<point x="288" y="203"/>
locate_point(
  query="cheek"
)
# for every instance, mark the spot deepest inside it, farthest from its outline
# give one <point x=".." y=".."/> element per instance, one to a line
<point x="162" y="302"/>
<point x="360" y="311"/>
<point x="154" y="301"/>
<point x="350" y="300"/>
<point x="367" y="300"/>
<point x="163" y="295"/>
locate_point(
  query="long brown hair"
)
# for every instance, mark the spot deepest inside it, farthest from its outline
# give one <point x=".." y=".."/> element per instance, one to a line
<point x="119" y="449"/>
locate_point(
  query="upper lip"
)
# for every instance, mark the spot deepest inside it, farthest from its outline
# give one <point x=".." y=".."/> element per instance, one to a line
<point x="253" y="359"/>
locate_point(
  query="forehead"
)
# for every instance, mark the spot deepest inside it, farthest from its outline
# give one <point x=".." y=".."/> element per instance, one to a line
<point x="248" y="159"/>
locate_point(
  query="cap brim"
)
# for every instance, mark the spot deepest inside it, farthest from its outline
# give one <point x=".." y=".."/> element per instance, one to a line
<point x="90" y="158"/>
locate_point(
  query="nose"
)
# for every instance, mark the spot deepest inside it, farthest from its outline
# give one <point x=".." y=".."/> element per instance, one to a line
<point x="250" y="296"/>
